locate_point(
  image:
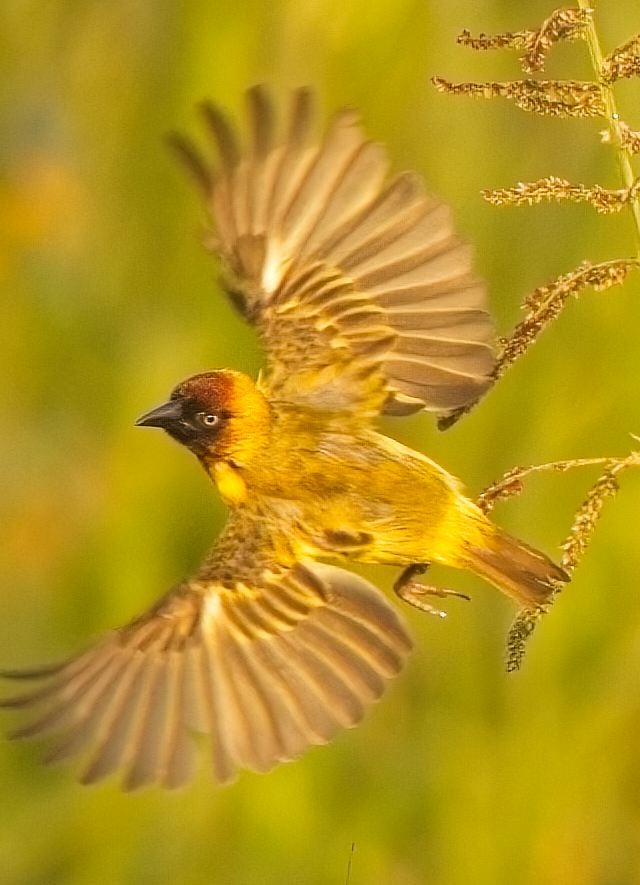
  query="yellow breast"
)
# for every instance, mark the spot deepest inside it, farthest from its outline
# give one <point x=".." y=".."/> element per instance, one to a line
<point x="229" y="482"/>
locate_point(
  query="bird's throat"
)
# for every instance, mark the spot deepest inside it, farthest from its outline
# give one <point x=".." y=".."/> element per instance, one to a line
<point x="229" y="481"/>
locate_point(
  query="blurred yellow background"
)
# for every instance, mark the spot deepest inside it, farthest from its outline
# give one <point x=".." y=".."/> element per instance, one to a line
<point x="462" y="774"/>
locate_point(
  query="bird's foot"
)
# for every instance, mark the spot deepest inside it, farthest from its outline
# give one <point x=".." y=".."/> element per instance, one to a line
<point x="414" y="592"/>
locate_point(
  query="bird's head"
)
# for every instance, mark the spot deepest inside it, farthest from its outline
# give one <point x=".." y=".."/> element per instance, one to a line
<point x="219" y="416"/>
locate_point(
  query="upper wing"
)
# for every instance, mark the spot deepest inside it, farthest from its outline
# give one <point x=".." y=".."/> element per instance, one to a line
<point x="363" y="294"/>
<point x="266" y="658"/>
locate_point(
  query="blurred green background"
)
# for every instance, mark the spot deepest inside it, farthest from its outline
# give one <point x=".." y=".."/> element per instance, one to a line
<point x="463" y="774"/>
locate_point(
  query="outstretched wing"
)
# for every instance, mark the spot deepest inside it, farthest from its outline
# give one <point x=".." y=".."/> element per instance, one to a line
<point x="364" y="296"/>
<point x="265" y="658"/>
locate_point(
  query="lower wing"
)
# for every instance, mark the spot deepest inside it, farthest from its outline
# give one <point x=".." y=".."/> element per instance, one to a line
<point x="264" y="666"/>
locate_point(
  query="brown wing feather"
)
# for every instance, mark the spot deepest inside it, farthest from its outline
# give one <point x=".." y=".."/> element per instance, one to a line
<point x="363" y="293"/>
<point x="266" y="658"/>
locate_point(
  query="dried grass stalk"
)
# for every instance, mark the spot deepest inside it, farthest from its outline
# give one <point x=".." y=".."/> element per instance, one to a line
<point x="623" y="62"/>
<point x="542" y="306"/>
<point x="519" y="633"/>
<point x="557" y="98"/>
<point x="545" y="303"/>
<point x="518" y="40"/>
<point x="577" y="541"/>
<point x="590" y="510"/>
<point x="511" y="484"/>
<point x="629" y="138"/>
<point x="563" y="24"/>
<point x="551" y="188"/>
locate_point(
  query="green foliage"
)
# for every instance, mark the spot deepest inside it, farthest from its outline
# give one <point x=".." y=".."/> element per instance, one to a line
<point x="463" y="774"/>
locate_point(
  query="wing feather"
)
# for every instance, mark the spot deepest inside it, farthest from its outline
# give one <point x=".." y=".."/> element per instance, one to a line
<point x="314" y="195"/>
<point x="179" y="761"/>
<point x="149" y="728"/>
<point x="292" y="158"/>
<point x="110" y="734"/>
<point x="267" y="664"/>
<point x="393" y="211"/>
<point x="308" y="229"/>
<point x="214" y="719"/>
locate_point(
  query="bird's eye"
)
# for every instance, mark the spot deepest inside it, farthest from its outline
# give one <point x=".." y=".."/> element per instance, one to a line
<point x="208" y="419"/>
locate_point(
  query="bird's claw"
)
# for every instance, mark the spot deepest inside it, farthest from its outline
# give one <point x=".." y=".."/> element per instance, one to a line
<point x="413" y="592"/>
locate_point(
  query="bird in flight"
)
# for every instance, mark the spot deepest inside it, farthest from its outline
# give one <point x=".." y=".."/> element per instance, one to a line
<point x="367" y="305"/>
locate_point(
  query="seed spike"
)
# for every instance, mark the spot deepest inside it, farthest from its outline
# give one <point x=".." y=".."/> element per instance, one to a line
<point x="545" y="303"/>
<point x="542" y="306"/>
<point x="629" y="138"/>
<point x="550" y="98"/>
<point x="552" y="188"/>
<point x="578" y="539"/>
<point x="563" y="24"/>
<point x="623" y="62"/>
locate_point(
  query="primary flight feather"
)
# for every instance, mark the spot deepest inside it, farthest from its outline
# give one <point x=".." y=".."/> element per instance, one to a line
<point x="367" y="303"/>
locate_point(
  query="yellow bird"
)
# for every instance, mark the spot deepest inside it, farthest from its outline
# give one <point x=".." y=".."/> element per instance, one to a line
<point x="367" y="304"/>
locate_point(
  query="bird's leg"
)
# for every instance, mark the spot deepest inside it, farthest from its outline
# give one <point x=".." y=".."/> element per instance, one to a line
<point x="413" y="591"/>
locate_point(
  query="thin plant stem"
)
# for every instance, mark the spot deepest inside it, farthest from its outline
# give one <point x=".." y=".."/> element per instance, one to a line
<point x="613" y="118"/>
<point x="511" y="483"/>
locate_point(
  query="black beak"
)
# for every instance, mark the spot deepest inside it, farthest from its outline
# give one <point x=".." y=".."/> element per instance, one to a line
<point x="164" y="416"/>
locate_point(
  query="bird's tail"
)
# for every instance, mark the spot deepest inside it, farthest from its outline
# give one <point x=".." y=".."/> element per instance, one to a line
<point x="520" y="571"/>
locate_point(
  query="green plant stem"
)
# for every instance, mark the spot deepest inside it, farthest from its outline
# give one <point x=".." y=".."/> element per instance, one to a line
<point x="613" y="120"/>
